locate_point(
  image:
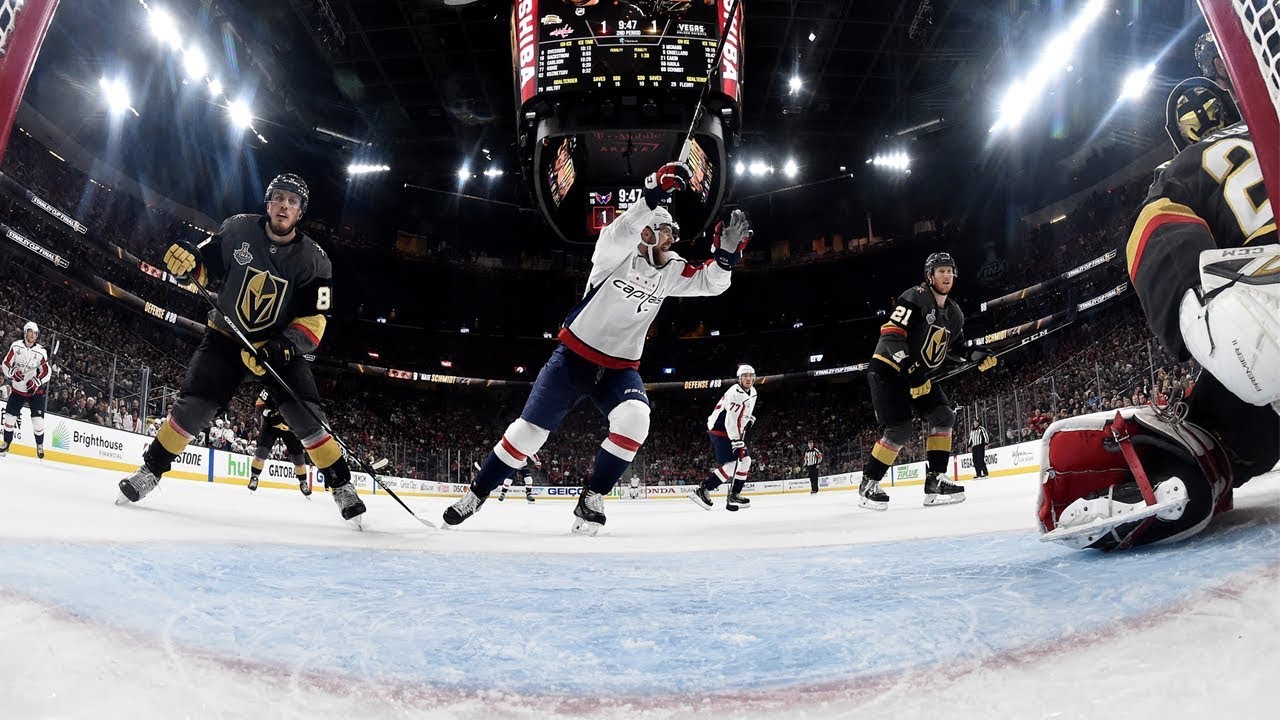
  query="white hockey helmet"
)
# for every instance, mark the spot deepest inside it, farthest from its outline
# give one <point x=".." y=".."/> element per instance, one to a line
<point x="658" y="217"/>
<point x="30" y="327"/>
<point x="745" y="369"/>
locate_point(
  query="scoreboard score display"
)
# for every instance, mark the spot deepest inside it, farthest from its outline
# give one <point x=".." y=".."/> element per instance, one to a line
<point x="584" y="45"/>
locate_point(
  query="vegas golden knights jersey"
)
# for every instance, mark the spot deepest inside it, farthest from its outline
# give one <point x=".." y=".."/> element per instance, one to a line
<point x="268" y="289"/>
<point x="919" y="335"/>
<point x="1210" y="195"/>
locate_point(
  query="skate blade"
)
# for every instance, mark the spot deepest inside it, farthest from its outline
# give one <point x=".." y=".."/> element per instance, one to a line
<point x="931" y="500"/>
<point x="698" y="502"/>
<point x="736" y="508"/>
<point x="880" y="505"/>
<point x="1101" y="526"/>
<point x="356" y="523"/>
<point x="121" y="499"/>
<point x="582" y="527"/>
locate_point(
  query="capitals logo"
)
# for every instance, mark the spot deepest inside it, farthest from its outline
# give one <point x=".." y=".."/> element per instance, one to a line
<point x="261" y="297"/>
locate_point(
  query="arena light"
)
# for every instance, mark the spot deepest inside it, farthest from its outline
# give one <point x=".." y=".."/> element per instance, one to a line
<point x="215" y="87"/>
<point x="493" y="172"/>
<point x="164" y="27"/>
<point x="464" y="330"/>
<point x="897" y="160"/>
<point x="519" y="369"/>
<point x="812" y="37"/>
<point x="366" y="169"/>
<point x="740" y="167"/>
<point x="790" y="169"/>
<point x="794" y="84"/>
<point x="758" y="168"/>
<point x="1055" y="56"/>
<point x="715" y="333"/>
<point x="464" y="173"/>
<point x="194" y="63"/>
<point x="240" y="114"/>
<point x="668" y="371"/>
<point x="116" y="94"/>
<point x="1135" y="84"/>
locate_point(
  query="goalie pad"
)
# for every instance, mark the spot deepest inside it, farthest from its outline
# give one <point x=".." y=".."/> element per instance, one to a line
<point x="1232" y="328"/>
<point x="1146" y="476"/>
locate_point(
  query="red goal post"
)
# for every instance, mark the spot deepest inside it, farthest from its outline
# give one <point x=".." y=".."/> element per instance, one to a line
<point x="1248" y="37"/>
<point x="23" y="24"/>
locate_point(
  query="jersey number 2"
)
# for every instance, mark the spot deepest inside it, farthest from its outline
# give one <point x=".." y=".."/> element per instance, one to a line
<point x="1241" y="180"/>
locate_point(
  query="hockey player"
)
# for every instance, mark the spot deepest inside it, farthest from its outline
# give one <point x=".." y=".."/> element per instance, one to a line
<point x="635" y="491"/>
<point x="273" y="427"/>
<point x="727" y="427"/>
<point x="1203" y="260"/>
<point x="526" y="473"/>
<point x="924" y="327"/>
<point x="277" y="288"/>
<point x="632" y="271"/>
<point x="26" y="367"/>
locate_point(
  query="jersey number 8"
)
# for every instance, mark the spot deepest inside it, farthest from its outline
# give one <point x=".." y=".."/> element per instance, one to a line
<point x="324" y="298"/>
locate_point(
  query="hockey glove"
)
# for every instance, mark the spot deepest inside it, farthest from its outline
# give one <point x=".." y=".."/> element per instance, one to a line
<point x="985" y="360"/>
<point x="669" y="178"/>
<point x="731" y="240"/>
<point x="921" y="390"/>
<point x="739" y="448"/>
<point x="278" y="351"/>
<point x="18" y="375"/>
<point x="181" y="258"/>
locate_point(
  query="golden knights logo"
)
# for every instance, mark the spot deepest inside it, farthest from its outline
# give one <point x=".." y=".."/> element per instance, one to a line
<point x="936" y="343"/>
<point x="261" y="296"/>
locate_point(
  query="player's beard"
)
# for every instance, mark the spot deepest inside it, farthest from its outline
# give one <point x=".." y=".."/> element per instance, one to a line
<point x="278" y="230"/>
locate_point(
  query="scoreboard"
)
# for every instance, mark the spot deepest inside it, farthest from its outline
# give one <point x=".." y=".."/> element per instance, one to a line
<point x="628" y="45"/>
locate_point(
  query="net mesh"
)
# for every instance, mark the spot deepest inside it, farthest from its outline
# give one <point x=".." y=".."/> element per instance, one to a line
<point x="8" y="20"/>
<point x="1261" y="21"/>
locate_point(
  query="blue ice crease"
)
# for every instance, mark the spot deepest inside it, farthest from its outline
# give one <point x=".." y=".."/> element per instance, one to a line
<point x="642" y="625"/>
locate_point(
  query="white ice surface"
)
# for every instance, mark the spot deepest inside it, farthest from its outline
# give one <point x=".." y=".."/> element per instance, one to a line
<point x="172" y="608"/>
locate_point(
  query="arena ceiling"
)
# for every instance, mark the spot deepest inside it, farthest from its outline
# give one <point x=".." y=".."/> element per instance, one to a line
<point x="421" y="85"/>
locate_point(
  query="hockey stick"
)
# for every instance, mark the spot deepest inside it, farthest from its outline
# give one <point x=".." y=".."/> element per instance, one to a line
<point x="370" y="469"/>
<point x="687" y="146"/>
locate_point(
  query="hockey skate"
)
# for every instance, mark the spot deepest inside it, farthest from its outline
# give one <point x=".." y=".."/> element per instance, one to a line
<point x="349" y="504"/>
<point x="702" y="497"/>
<point x="40" y="452"/>
<point x="1089" y="519"/>
<point x="253" y="483"/>
<point x="136" y="486"/>
<point x="871" y="497"/>
<point x="736" y="502"/>
<point x="4" y="449"/>
<point x="466" y="507"/>
<point x="529" y="498"/>
<point x="939" y="490"/>
<point x="305" y="487"/>
<point x="502" y="495"/>
<point x="589" y="514"/>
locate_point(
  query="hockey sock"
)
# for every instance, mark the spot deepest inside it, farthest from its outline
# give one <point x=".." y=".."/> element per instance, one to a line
<point x="607" y="472"/>
<point x="255" y="466"/>
<point x="39" y="440"/>
<point x="171" y="440"/>
<point x="875" y="469"/>
<point x="302" y="478"/>
<point x="492" y="472"/>
<point x="337" y="474"/>
<point x="713" y="480"/>
<point x="8" y="436"/>
<point x="738" y="485"/>
<point x="938" y="449"/>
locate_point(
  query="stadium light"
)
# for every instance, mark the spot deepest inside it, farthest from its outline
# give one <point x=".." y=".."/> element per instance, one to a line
<point x="215" y="87"/>
<point x="790" y="169"/>
<point x="668" y="371"/>
<point x="464" y="330"/>
<point x="795" y="83"/>
<point x="116" y="94"/>
<point x="812" y="37"/>
<point x="1055" y="56"/>
<point x="165" y="28"/>
<point x="365" y="169"/>
<point x="240" y="114"/>
<point x="464" y="173"/>
<point x="758" y="168"/>
<point x="740" y="167"/>
<point x="1136" y="83"/>
<point x="897" y="160"/>
<point x="493" y="172"/>
<point x="194" y="63"/>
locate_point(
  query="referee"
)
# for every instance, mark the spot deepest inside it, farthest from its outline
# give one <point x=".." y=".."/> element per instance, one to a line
<point x="978" y="439"/>
<point x="812" y="457"/>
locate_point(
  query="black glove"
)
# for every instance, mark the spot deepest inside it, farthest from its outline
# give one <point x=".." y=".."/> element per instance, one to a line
<point x="278" y="351"/>
<point x="730" y="240"/>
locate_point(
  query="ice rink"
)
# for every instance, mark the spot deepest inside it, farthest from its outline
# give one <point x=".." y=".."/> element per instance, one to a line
<point x="207" y="601"/>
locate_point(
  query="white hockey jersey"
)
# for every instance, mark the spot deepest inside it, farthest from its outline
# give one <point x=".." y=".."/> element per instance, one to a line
<point x="625" y="292"/>
<point x="735" y="410"/>
<point x="27" y="368"/>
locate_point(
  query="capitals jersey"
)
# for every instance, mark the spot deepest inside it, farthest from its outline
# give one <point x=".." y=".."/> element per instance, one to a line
<point x="625" y="292"/>
<point x="267" y="288"/>
<point x="31" y="364"/>
<point x="733" y="413"/>
<point x="919" y="335"/>
<point x="1211" y="195"/>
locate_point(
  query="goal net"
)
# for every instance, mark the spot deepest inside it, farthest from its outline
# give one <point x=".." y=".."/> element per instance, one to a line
<point x="1248" y="37"/>
<point x="23" y="24"/>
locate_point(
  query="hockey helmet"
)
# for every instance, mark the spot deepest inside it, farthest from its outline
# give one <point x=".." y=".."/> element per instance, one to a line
<point x="1197" y="107"/>
<point x="1206" y="52"/>
<point x="937" y="260"/>
<point x="30" y="327"/>
<point x="662" y="216"/>
<point x="291" y="182"/>
<point x="1124" y="456"/>
<point x="745" y="369"/>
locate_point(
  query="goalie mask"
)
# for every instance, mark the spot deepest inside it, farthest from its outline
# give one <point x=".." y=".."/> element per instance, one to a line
<point x="1111" y="480"/>
<point x="1197" y="107"/>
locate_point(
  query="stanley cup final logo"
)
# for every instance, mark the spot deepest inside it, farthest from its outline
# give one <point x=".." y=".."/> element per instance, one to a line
<point x="261" y="296"/>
